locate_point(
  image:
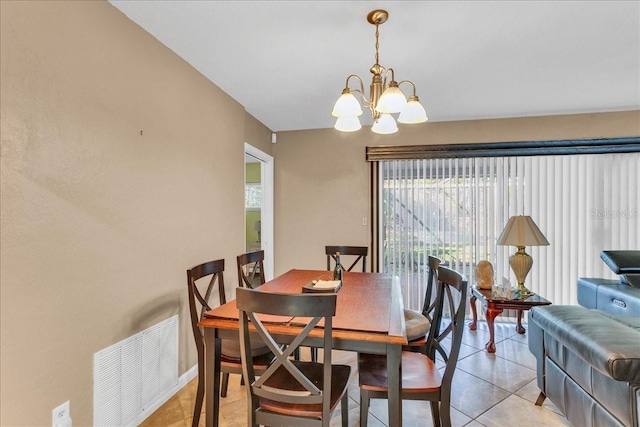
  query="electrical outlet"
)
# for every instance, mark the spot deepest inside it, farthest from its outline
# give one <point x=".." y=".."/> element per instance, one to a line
<point x="364" y="220"/>
<point x="61" y="416"/>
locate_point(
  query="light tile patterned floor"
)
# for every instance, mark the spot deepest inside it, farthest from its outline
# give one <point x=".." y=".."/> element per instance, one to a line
<point x="488" y="390"/>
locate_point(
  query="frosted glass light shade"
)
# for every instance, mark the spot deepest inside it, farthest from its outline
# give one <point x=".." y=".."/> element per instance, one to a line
<point x="385" y="125"/>
<point x="413" y="112"/>
<point x="348" y="124"/>
<point x="392" y="100"/>
<point x="346" y="106"/>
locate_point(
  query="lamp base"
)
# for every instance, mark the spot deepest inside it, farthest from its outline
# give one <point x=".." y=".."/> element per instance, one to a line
<point x="524" y="292"/>
<point x="521" y="263"/>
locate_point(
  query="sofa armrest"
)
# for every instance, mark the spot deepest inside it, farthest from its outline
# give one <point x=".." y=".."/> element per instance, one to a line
<point x="611" y="347"/>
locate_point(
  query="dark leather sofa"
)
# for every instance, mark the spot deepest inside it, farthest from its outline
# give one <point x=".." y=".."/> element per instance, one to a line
<point x="588" y="356"/>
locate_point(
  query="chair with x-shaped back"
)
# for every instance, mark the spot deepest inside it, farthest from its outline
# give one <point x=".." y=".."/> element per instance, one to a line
<point x="201" y="299"/>
<point x="360" y="253"/>
<point x="292" y="392"/>
<point x="418" y="323"/>
<point x="421" y="379"/>
<point x="251" y="269"/>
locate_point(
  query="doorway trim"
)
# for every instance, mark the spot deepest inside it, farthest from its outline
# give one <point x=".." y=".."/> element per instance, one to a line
<point x="267" y="219"/>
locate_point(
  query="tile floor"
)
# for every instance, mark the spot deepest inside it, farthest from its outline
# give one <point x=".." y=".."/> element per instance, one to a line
<point x="488" y="390"/>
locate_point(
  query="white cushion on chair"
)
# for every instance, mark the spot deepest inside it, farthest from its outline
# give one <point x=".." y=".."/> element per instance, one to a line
<point x="417" y="325"/>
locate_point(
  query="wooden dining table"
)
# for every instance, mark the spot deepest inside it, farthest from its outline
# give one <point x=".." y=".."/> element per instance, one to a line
<point x="369" y="319"/>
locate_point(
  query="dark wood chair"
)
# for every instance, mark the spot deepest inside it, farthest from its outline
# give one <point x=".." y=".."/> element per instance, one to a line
<point x="417" y="322"/>
<point x="292" y="392"/>
<point x="360" y="252"/>
<point x="200" y="300"/>
<point x="421" y="380"/>
<point x="251" y="269"/>
<point x="251" y="275"/>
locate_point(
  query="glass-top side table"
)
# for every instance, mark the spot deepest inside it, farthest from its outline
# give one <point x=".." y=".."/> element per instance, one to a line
<point x="493" y="306"/>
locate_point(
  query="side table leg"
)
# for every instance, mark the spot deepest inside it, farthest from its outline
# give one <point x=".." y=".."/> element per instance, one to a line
<point x="473" y="325"/>
<point x="491" y="315"/>
<point x="519" y="328"/>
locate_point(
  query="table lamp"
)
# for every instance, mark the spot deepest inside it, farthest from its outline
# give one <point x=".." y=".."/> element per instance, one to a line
<point x="521" y="231"/>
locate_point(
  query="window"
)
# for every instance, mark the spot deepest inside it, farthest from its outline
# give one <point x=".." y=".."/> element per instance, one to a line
<point x="455" y="208"/>
<point x="252" y="196"/>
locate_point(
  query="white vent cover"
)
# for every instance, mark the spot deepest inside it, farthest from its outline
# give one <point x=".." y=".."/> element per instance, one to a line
<point x="128" y="377"/>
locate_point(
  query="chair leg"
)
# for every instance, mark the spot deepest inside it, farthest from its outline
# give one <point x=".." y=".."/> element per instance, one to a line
<point x="540" y="399"/>
<point x="345" y="410"/>
<point x="199" y="399"/>
<point x="364" y="408"/>
<point x="224" y="385"/>
<point x="445" y="413"/>
<point x="435" y="413"/>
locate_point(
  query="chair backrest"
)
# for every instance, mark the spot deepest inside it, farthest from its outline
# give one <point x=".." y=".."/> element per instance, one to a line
<point x="360" y="252"/>
<point x="200" y="294"/>
<point x="298" y="389"/>
<point x="428" y="307"/>
<point x="451" y="299"/>
<point x="251" y="269"/>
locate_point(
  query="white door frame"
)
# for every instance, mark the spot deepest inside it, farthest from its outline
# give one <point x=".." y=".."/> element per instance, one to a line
<point x="266" y="179"/>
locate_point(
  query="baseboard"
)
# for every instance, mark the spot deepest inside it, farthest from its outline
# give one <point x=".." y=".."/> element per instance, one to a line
<point x="182" y="381"/>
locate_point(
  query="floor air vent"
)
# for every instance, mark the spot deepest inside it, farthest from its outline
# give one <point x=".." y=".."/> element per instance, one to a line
<point x="130" y="376"/>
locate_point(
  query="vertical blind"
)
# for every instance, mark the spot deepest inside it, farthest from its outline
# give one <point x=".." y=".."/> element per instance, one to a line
<point x="455" y="208"/>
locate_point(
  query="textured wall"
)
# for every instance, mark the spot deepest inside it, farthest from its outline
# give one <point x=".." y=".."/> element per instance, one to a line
<point x="116" y="176"/>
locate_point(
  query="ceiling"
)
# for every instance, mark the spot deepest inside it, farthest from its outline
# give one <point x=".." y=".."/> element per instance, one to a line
<point x="286" y="62"/>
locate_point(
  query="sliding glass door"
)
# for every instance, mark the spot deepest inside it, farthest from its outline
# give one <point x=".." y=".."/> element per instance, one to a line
<point x="455" y="208"/>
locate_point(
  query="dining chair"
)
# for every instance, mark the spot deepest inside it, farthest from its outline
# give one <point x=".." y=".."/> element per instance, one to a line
<point x="251" y="269"/>
<point x="360" y="252"/>
<point x="200" y="300"/>
<point x="421" y="380"/>
<point x="251" y="275"/>
<point x="292" y="392"/>
<point x="418" y="323"/>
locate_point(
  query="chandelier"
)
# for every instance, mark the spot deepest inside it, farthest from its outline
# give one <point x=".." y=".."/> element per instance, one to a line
<point x="385" y="98"/>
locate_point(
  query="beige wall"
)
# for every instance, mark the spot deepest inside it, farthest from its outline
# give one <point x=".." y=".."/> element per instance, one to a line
<point x="322" y="178"/>
<point x="116" y="176"/>
<point x="256" y="134"/>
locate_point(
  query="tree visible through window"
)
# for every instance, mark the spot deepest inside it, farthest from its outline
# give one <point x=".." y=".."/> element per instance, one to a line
<point x="252" y="196"/>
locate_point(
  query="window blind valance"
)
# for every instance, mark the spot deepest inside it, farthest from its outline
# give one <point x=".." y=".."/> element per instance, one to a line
<point x="503" y="149"/>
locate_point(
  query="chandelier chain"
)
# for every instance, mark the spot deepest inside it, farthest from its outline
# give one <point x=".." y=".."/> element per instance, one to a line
<point x="377" y="44"/>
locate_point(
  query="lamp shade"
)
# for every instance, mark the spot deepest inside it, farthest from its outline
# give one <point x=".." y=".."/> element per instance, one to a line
<point x="392" y="100"/>
<point x="347" y="124"/>
<point x="522" y="231"/>
<point x="347" y="105"/>
<point x="413" y="112"/>
<point x="385" y="125"/>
